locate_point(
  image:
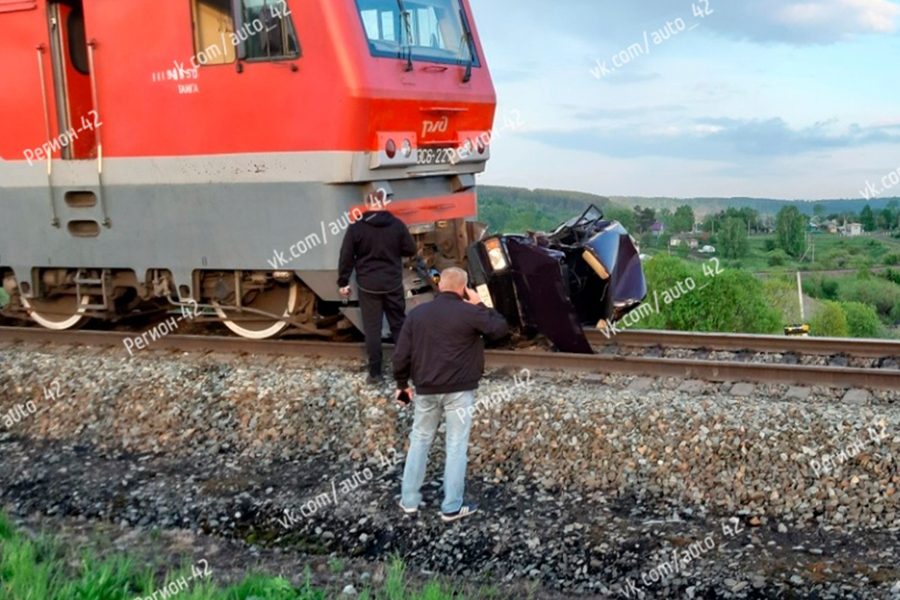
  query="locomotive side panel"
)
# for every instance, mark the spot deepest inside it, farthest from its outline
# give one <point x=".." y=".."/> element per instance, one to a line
<point x="23" y="55"/>
<point x="171" y="94"/>
<point x="197" y="156"/>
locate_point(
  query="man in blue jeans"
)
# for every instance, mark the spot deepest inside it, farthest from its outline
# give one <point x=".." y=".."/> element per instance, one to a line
<point x="441" y="347"/>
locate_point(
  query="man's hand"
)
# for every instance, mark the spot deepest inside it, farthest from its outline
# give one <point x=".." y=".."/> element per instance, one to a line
<point x="472" y="297"/>
<point x="345" y="291"/>
<point x="409" y="394"/>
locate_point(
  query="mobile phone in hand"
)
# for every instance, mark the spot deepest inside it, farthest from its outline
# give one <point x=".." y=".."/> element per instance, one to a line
<point x="403" y="397"/>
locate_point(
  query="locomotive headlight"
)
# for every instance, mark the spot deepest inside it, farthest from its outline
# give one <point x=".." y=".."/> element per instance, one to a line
<point x="496" y="254"/>
<point x="393" y="149"/>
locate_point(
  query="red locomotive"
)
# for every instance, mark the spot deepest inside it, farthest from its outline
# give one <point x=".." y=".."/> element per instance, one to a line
<point x="213" y="151"/>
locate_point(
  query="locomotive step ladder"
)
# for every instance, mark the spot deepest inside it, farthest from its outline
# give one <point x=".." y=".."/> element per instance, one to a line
<point x="75" y="180"/>
<point x="82" y="279"/>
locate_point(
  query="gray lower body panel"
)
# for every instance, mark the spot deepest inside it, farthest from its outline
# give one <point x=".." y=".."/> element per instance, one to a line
<point x="265" y="226"/>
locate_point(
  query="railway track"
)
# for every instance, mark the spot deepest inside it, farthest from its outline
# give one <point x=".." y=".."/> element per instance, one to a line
<point x="855" y="348"/>
<point x="709" y="370"/>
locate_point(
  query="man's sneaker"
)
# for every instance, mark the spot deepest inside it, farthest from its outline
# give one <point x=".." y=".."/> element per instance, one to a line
<point x="375" y="379"/>
<point x="409" y="511"/>
<point x="464" y="511"/>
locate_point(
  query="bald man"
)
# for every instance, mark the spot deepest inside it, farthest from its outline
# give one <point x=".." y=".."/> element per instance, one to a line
<point x="441" y="347"/>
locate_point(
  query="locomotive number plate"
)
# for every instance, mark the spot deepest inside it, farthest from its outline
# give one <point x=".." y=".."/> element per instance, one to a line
<point x="436" y="156"/>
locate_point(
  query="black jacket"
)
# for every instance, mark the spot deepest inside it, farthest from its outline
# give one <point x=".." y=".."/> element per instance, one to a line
<point x="375" y="246"/>
<point x="441" y="345"/>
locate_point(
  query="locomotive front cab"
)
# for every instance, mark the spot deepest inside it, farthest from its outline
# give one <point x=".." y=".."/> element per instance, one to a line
<point x="430" y="109"/>
<point x="433" y="101"/>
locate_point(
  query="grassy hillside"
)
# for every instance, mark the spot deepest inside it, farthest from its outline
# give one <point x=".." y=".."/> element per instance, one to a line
<point x="765" y="206"/>
<point x="826" y="252"/>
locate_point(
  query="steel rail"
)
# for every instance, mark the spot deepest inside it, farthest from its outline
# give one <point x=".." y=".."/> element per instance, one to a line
<point x="649" y="367"/>
<point x="754" y="343"/>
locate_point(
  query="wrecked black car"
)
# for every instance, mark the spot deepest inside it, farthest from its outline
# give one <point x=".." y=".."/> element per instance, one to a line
<point x="585" y="273"/>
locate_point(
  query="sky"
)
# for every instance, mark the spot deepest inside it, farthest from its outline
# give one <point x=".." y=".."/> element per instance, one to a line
<point x="793" y="99"/>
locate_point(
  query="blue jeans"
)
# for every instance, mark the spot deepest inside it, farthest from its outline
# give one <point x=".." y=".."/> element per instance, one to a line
<point x="429" y="410"/>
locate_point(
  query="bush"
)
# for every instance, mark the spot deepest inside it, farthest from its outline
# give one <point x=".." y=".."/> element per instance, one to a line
<point x="894" y="315"/>
<point x="836" y="260"/>
<point x="829" y="289"/>
<point x="862" y="320"/>
<point x="733" y="301"/>
<point x="892" y="259"/>
<point x="812" y="286"/>
<point x="830" y="321"/>
<point x="770" y="245"/>
<point x="778" y="258"/>
<point x="877" y="292"/>
<point x="821" y="288"/>
<point x="663" y="272"/>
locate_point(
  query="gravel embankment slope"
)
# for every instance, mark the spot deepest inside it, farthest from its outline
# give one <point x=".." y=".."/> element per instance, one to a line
<point x="587" y="483"/>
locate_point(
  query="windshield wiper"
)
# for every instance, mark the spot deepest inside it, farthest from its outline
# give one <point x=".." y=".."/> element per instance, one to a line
<point x="470" y="45"/>
<point x="405" y="16"/>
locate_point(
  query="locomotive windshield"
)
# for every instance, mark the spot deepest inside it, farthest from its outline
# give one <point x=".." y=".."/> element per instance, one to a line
<point x="429" y="30"/>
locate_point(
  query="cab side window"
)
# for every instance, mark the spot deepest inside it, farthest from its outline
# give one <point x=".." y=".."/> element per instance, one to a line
<point x="213" y="32"/>
<point x="268" y="30"/>
<point x="263" y="30"/>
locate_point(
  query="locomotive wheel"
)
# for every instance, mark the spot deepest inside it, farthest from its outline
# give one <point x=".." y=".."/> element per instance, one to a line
<point x="58" y="314"/>
<point x="278" y="300"/>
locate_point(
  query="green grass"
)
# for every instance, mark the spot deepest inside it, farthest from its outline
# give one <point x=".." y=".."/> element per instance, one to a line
<point x="336" y="565"/>
<point x="40" y="569"/>
<point x="832" y="253"/>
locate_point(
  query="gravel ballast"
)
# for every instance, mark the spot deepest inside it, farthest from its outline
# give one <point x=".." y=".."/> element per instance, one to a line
<point x="587" y="482"/>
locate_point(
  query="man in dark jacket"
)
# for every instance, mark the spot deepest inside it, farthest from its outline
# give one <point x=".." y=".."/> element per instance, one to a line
<point x="442" y="347"/>
<point x="375" y="246"/>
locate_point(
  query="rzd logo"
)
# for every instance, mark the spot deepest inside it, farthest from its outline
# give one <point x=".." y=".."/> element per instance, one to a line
<point x="435" y="126"/>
